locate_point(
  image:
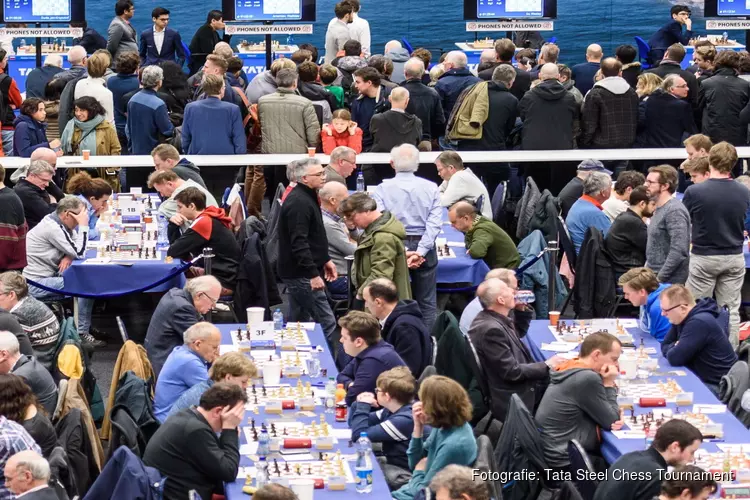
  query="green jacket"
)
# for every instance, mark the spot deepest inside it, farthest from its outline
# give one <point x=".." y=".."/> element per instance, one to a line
<point x="381" y="254"/>
<point x="485" y="240"/>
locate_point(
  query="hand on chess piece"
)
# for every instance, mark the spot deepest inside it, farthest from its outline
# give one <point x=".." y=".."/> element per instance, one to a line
<point x="177" y="220"/>
<point x="65" y="262"/>
<point x="329" y="270"/>
<point x="369" y="398"/>
<point x="419" y="419"/>
<point x="609" y="374"/>
<point x="617" y="425"/>
<point x="232" y="417"/>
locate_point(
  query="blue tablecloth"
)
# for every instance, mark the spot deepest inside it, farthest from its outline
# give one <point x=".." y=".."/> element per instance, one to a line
<point x="612" y="447"/>
<point x="380" y="488"/>
<point x="120" y="278"/>
<point x="462" y="269"/>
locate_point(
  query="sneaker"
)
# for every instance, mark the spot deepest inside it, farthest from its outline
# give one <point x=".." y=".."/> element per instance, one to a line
<point x="89" y="339"/>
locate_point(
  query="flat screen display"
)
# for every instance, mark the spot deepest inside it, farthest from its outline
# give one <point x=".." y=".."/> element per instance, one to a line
<point x="477" y="10"/>
<point x="268" y="10"/>
<point x="727" y="8"/>
<point x="37" y="11"/>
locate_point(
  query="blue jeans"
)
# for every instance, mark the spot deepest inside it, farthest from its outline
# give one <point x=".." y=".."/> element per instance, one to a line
<point x="85" y="306"/>
<point x="8" y="142"/>
<point x="424" y="283"/>
<point x="306" y="304"/>
<point x="339" y="287"/>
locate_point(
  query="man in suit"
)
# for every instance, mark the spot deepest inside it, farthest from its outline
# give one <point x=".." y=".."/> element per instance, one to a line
<point x="91" y="40"/>
<point x="161" y="43"/>
<point x="27" y="474"/>
<point x="671" y="33"/>
<point x="670" y="65"/>
<point x="121" y="34"/>
<point x="205" y="39"/>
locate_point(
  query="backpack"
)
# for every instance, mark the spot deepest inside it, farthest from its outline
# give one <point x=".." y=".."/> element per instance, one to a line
<point x="6" y="113"/>
<point x="250" y="122"/>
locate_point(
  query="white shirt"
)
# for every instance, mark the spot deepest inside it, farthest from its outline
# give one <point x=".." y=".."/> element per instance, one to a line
<point x="158" y="40"/>
<point x="614" y="207"/>
<point x="464" y="185"/>
<point x="360" y="31"/>
<point x="94" y="87"/>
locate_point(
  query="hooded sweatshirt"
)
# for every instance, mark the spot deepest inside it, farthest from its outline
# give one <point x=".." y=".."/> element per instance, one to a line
<point x="610" y="115"/>
<point x="575" y="406"/>
<point x="651" y="319"/>
<point x="393" y="128"/>
<point x="189" y="171"/>
<point x="381" y="254"/>
<point x="212" y="228"/>
<point x="548" y="112"/>
<point x="700" y="343"/>
<point x="405" y="330"/>
<point x="398" y="57"/>
<point x="263" y="84"/>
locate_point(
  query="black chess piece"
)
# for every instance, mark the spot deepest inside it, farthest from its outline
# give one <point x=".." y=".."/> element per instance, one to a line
<point x="320" y="456"/>
<point x="255" y="400"/>
<point x="446" y="250"/>
<point x="276" y="466"/>
<point x="255" y="434"/>
<point x="309" y="469"/>
<point x="286" y="466"/>
<point x="253" y="388"/>
<point x="252" y="423"/>
<point x="263" y="390"/>
<point x="284" y="432"/>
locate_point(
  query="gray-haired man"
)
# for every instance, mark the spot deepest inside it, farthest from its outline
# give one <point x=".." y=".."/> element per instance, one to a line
<point x="32" y="191"/>
<point x="587" y="212"/>
<point x="147" y="114"/>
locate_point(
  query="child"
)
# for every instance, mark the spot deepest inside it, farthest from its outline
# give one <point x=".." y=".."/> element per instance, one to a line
<point x="393" y="423"/>
<point x="444" y="405"/>
<point x="342" y="132"/>
<point x="237" y="77"/>
<point x="328" y="75"/>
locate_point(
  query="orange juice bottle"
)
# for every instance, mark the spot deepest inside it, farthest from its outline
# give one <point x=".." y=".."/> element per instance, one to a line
<point x="340" y="392"/>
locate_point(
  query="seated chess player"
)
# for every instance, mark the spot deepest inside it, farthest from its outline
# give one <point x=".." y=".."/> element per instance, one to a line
<point x="522" y="314"/>
<point x="360" y="336"/>
<point x="674" y="445"/>
<point x="642" y="289"/>
<point x="696" y="340"/>
<point x="688" y="482"/>
<point x="483" y="238"/>
<point x="168" y="184"/>
<point x="456" y="481"/>
<point x="274" y="491"/>
<point x="401" y="322"/>
<point x="178" y="310"/>
<point x="186" y="366"/>
<point x="209" y="227"/>
<point x="30" y="370"/>
<point x="198" y="448"/>
<point x="505" y="361"/>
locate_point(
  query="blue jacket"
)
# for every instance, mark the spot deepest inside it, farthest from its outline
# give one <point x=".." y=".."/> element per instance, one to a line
<point x="583" y="215"/>
<point x="535" y="278"/>
<point x="583" y="75"/>
<point x="184" y="368"/>
<point x="38" y="79"/>
<point x="669" y="34"/>
<point x="451" y="84"/>
<point x="651" y="320"/>
<point x="405" y="330"/>
<point x="171" y="48"/>
<point x="147" y="118"/>
<point x="191" y="397"/>
<point x="213" y="127"/>
<point x="392" y="429"/>
<point x="93" y="218"/>
<point x="125" y="476"/>
<point x="174" y="314"/>
<point x="703" y="345"/>
<point x="363" y="370"/>
<point x="29" y="135"/>
<point x="120" y="85"/>
<point x="91" y="41"/>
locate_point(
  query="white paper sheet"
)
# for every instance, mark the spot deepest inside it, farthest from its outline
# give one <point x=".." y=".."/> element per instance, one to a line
<point x="559" y="346"/>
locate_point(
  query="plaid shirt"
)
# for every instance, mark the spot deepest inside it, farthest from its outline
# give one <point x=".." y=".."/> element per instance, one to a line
<point x="13" y="438"/>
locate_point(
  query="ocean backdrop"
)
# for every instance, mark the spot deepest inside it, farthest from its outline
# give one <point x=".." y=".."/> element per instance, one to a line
<point x="438" y="24"/>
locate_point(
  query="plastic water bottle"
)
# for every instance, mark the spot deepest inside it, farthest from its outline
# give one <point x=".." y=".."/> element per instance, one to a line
<point x="364" y="464"/>
<point x="313" y="363"/>
<point x="162" y="241"/>
<point x="23" y="43"/>
<point x="278" y="320"/>
<point x="290" y="40"/>
<point x="261" y="473"/>
<point x="330" y="395"/>
<point x="264" y="444"/>
<point x="360" y="182"/>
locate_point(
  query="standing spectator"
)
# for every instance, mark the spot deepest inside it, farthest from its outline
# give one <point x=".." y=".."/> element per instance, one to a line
<point x="121" y="35"/>
<point x="340" y="241"/>
<point x="338" y="30"/>
<point x="217" y="65"/>
<point x="671" y="33"/>
<point x="341" y="132"/>
<point x="13" y="228"/>
<point x="359" y="28"/>
<point x="77" y="60"/>
<point x="372" y="99"/>
<point x="722" y="99"/>
<point x="309" y="87"/>
<point x="587" y="212"/>
<point x="641" y="289"/>
<point x="704" y="57"/>
<point x="626" y="239"/>
<point x="717" y="209"/>
<point x="697" y="170"/>
<point x="456" y="78"/>
<point x="460" y="183"/>
<point x="631" y="68"/>
<point x="38" y="78"/>
<point x="31" y="129"/>
<point x="574" y="188"/>
<point x="341" y="165"/>
<point x="161" y="43"/>
<point x="32" y="191"/>
<point x="328" y="76"/>
<point x="484" y="239"/>
<point x="415" y="202"/>
<point x="390" y="129"/>
<point x="124" y="81"/>
<point x="175" y="90"/>
<point x="265" y="83"/>
<point x="426" y="57"/>
<point x="504" y="51"/>
<point x="95" y="86"/>
<point x="90" y="131"/>
<point x="647" y="84"/>
<point x="671" y="65"/>
<point x="205" y="39"/>
<point x="424" y="102"/>
<point x="566" y="79"/>
<point x="52" y="93"/>
<point x="618" y="202"/>
<point x="549" y="53"/>
<point x="303" y="249"/>
<point x="669" y="231"/>
<point x="91" y="41"/>
<point x="666" y="117"/>
<point x="225" y="136"/>
<point x="584" y="73"/>
<point x="147" y="114"/>
<point x="13" y="439"/>
<point x="399" y="55"/>
<point x="11" y="100"/>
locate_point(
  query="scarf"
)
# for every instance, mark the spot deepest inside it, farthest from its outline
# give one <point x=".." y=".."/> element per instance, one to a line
<point x="88" y="137"/>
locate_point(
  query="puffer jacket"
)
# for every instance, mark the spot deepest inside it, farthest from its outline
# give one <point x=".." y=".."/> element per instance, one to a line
<point x="381" y="254"/>
<point x="30" y="135"/>
<point x="526" y="207"/>
<point x="288" y="123"/>
<point x="263" y="84"/>
<point x="722" y="98"/>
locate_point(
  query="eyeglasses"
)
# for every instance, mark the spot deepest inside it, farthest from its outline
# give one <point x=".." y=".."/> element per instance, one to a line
<point x="683" y="86"/>
<point x="649" y="182"/>
<point x="672" y="308"/>
<point x="213" y="300"/>
<point x="378" y="389"/>
<point x="319" y="174"/>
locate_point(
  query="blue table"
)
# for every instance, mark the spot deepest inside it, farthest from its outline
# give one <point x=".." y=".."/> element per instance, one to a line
<point x="612" y="447"/>
<point x="462" y="269"/>
<point x="233" y="490"/>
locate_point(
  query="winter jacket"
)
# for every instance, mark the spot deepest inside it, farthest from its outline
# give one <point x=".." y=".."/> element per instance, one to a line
<point x="469" y="113"/>
<point x="29" y="135"/>
<point x="650" y="318"/>
<point x="487" y="241"/>
<point x="360" y="374"/>
<point x="398" y="57"/>
<point x="405" y="330"/>
<point x="506" y="362"/>
<point x="521" y="84"/>
<point x="288" y="123"/>
<point x="630" y="73"/>
<point x="626" y="242"/>
<point x="263" y="84"/>
<point x="393" y="128"/>
<point x="545" y="216"/>
<point x="40" y="381"/>
<point x="536" y="277"/>
<point x="525" y="208"/>
<point x="450" y="85"/>
<point x="610" y="115"/>
<point x="74" y="398"/>
<point x="364" y="108"/>
<point x="594" y="293"/>
<point x="36" y="202"/>
<point x="213" y="127"/>
<point x="548" y="112"/>
<point x="13" y="229"/>
<point x="174" y="314"/>
<point x="125" y="476"/>
<point x="188" y="171"/>
<point x="494" y="131"/>
<point x="331" y="142"/>
<point x="425" y="103"/>
<point x="107" y="143"/>
<point x="392" y="430"/>
<point x="721" y="99"/>
<point x="666" y="68"/>
<point x="664" y="121"/>
<point x="380" y="253"/>
<point x="256" y="279"/>
<point x="303" y="245"/>
<point x="700" y="343"/>
<point x="38" y="79"/>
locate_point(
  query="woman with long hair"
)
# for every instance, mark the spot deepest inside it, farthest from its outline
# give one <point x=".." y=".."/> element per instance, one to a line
<point x="31" y="129"/>
<point x="94" y="193"/>
<point x="18" y="403"/>
<point x="174" y="91"/>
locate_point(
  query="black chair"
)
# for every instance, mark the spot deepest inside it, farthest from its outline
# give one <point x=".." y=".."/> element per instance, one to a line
<point x="569" y="250"/>
<point x="485" y="462"/>
<point x="579" y="461"/>
<point x="125" y="432"/>
<point x="476" y="368"/>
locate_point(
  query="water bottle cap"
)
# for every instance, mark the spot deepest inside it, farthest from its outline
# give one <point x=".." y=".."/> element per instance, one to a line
<point x="277" y="310"/>
<point x="362" y="435"/>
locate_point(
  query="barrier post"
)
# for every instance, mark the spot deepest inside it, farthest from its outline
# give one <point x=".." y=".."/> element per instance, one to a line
<point x="552" y="249"/>
<point x="208" y="255"/>
<point x="349" y="294"/>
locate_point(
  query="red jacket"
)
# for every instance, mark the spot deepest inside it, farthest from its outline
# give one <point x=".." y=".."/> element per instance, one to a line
<point x="331" y="142"/>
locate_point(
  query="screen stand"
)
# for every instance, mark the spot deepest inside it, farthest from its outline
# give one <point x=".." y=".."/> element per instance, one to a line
<point x="38" y="43"/>
<point x="269" y="49"/>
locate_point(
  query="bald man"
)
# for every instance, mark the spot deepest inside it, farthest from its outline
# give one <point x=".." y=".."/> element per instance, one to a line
<point x="394" y="127"/>
<point x="340" y="240"/>
<point x="584" y="73"/>
<point x="77" y="59"/>
<point x="505" y="49"/>
<point x="50" y="157"/>
<point x="506" y="363"/>
<point x="398" y="55"/>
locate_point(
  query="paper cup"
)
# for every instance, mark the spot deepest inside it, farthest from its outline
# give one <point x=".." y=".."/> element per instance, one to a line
<point x="303" y="488"/>
<point x="255" y="315"/>
<point x="311" y="152"/>
<point x="554" y="317"/>
<point x="272" y="372"/>
<point x="86" y="154"/>
<point x="628" y="367"/>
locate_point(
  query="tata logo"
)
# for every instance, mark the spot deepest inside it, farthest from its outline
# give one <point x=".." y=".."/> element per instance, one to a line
<point x="25" y="71"/>
<point x="253" y="70"/>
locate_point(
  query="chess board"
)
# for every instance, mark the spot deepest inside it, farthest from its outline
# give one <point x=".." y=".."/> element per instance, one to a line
<point x="50" y="8"/>
<point x="294" y="333"/>
<point x="523" y="6"/>
<point x="288" y="359"/>
<point x="576" y="330"/>
<point x="738" y="463"/>
<point x="330" y="466"/>
<point x="649" y="423"/>
<point x="668" y="390"/>
<point x="260" y="395"/>
<point x="128" y="255"/>
<point x="445" y="252"/>
<point x="281" y="429"/>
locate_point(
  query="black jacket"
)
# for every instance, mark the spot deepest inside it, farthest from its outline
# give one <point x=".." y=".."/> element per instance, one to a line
<point x="722" y="98"/>
<point x="610" y="115"/>
<point x="91" y="41"/>
<point x="36" y="202"/>
<point x="521" y="84"/>
<point x="548" y="112"/>
<point x="39" y="379"/>
<point x="626" y="242"/>
<point x="507" y="364"/>
<point x="74" y="439"/>
<point x="405" y="330"/>
<point x="630" y="73"/>
<point x="664" y="121"/>
<point x="303" y="245"/>
<point x="202" y="44"/>
<point x="500" y="120"/>
<point x="569" y="195"/>
<point x="424" y="102"/>
<point x="174" y="314"/>
<point x="256" y="280"/>
<point x="666" y="68"/>
<point x="617" y="487"/>
<point x="9" y="323"/>
<point x="595" y="293"/>
<point x="393" y="128"/>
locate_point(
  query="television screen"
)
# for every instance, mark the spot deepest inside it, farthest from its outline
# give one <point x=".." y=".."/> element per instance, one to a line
<point x="728" y="8"/>
<point x="509" y="9"/>
<point x="42" y="11"/>
<point x="268" y="10"/>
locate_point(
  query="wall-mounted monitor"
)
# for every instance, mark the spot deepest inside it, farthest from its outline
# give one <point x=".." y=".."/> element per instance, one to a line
<point x="509" y="9"/>
<point x="42" y="11"/>
<point x="726" y="8"/>
<point x="268" y="10"/>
